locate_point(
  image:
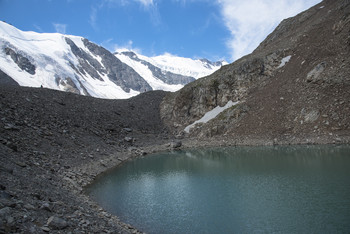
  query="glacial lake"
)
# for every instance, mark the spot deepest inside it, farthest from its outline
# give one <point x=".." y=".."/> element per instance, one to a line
<point x="281" y="189"/>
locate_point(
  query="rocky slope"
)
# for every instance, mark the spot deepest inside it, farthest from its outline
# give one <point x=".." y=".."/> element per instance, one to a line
<point x="54" y="143"/>
<point x="74" y="64"/>
<point x="295" y="87"/>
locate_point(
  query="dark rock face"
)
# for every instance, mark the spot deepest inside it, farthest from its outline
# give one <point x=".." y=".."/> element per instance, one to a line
<point x="69" y="85"/>
<point x="7" y="80"/>
<point x="209" y="64"/>
<point x="230" y="83"/>
<point x="87" y="64"/>
<point x="306" y="96"/>
<point x="22" y="61"/>
<point x="166" y="76"/>
<point x="118" y="72"/>
<point x="176" y="144"/>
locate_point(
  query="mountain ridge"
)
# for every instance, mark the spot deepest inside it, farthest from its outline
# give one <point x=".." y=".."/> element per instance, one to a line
<point x="74" y="64"/>
<point x="295" y="84"/>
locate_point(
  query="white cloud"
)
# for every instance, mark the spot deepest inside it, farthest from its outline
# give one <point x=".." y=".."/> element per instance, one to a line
<point x="250" y="21"/>
<point x="152" y="8"/>
<point x="146" y="3"/>
<point x="60" y="28"/>
<point x="38" y="28"/>
<point x="127" y="46"/>
<point x="93" y="18"/>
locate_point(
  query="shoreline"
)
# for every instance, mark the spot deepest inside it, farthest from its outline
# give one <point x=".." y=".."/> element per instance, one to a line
<point x="66" y="198"/>
<point x="93" y="171"/>
<point x="54" y="144"/>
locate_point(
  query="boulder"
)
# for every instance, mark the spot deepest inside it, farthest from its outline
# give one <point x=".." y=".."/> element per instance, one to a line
<point x="57" y="223"/>
<point x="176" y="144"/>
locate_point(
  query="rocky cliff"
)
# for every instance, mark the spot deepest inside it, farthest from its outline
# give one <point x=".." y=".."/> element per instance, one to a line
<point x="296" y="84"/>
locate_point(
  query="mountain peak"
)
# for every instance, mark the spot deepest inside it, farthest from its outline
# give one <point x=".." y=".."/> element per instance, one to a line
<point x="74" y="64"/>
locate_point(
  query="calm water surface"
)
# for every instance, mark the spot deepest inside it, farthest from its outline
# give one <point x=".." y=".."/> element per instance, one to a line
<point x="294" y="189"/>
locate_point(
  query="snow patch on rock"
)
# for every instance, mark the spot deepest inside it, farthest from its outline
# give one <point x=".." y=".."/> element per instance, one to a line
<point x="284" y="61"/>
<point x="211" y="115"/>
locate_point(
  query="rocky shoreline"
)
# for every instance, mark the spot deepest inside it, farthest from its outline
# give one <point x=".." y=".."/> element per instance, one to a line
<point x="46" y="162"/>
<point x="78" y="178"/>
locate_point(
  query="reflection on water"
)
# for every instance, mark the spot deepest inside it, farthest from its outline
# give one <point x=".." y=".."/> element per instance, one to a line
<point x="284" y="189"/>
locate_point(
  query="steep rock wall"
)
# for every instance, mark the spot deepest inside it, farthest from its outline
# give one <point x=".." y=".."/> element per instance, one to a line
<point x="296" y="83"/>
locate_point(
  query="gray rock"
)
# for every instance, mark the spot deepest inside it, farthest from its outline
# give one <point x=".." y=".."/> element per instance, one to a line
<point x="11" y="127"/>
<point x="2" y="226"/>
<point x="110" y="142"/>
<point x="311" y="116"/>
<point x="7" y="80"/>
<point x="128" y="139"/>
<point x="103" y="163"/>
<point x="21" y="164"/>
<point x="314" y="74"/>
<point x="45" y="206"/>
<point x="118" y="72"/>
<point x="176" y="144"/>
<point x="10" y="220"/>
<point x="5" y="195"/>
<point x="4" y="212"/>
<point x="45" y="229"/>
<point x="21" y="60"/>
<point x="29" y="207"/>
<point x="193" y="101"/>
<point x="127" y="129"/>
<point x="57" y="223"/>
<point x="12" y="146"/>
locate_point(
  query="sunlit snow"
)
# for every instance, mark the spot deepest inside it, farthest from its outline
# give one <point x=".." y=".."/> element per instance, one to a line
<point x="179" y="65"/>
<point x="53" y="59"/>
<point x="52" y="56"/>
<point x="146" y="73"/>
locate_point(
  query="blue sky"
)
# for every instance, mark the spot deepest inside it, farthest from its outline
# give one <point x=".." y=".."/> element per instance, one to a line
<point x="213" y="29"/>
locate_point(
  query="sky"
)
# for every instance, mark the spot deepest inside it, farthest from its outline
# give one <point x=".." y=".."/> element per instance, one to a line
<point x="212" y="29"/>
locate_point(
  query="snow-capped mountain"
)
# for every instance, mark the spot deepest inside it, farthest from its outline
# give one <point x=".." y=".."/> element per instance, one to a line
<point x="169" y="63"/>
<point x="158" y="79"/>
<point x="74" y="64"/>
<point x="185" y="66"/>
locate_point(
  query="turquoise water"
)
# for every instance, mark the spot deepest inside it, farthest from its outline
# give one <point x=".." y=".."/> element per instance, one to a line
<point x="289" y="189"/>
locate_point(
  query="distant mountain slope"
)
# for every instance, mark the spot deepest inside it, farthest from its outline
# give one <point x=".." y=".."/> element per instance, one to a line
<point x="157" y="78"/>
<point x="66" y="63"/>
<point x="184" y="66"/>
<point x="168" y="72"/>
<point x="74" y="64"/>
<point x="296" y="84"/>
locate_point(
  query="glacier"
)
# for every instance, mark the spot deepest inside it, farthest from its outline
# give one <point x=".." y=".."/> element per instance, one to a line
<point x="74" y="64"/>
